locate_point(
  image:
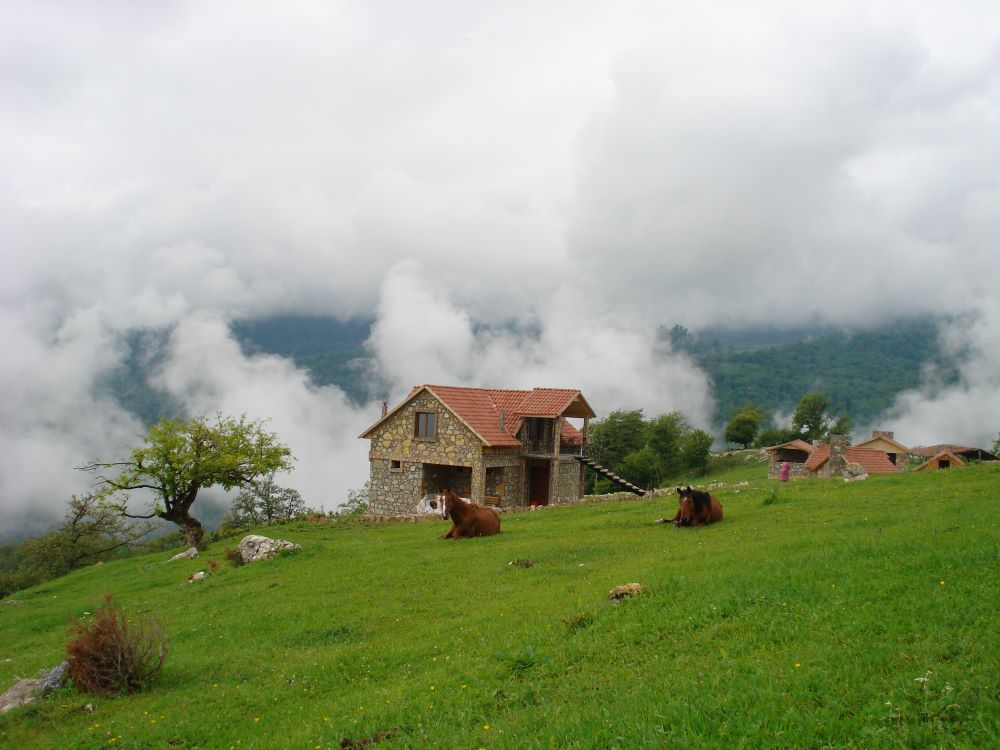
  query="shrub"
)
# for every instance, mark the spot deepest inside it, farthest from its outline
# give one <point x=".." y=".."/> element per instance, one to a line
<point x="113" y="655"/>
<point x="234" y="556"/>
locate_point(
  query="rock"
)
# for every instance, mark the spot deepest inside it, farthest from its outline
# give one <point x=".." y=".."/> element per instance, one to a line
<point x="855" y="473"/>
<point x="89" y="708"/>
<point x="20" y="694"/>
<point x="626" y="590"/>
<point x="199" y="576"/>
<point x="254" y="547"/>
<point x="25" y="692"/>
<point x="186" y="554"/>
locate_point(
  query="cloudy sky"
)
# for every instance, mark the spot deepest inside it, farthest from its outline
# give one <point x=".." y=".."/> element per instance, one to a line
<point x="583" y="170"/>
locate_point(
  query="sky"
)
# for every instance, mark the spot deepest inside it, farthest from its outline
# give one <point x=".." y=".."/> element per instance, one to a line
<point x="519" y="193"/>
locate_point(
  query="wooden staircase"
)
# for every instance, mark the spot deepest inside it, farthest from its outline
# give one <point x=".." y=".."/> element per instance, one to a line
<point x="598" y="469"/>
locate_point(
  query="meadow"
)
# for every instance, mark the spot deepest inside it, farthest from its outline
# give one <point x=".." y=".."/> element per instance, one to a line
<point x="818" y="614"/>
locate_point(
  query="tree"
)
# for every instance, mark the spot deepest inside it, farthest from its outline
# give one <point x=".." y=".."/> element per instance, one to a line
<point x="814" y="421"/>
<point x="696" y="446"/>
<point x="265" y="503"/>
<point x="642" y="468"/>
<point x="181" y="457"/>
<point x="89" y="531"/>
<point x="665" y="433"/>
<point x="617" y="435"/>
<point x="742" y="428"/>
<point x="996" y="446"/>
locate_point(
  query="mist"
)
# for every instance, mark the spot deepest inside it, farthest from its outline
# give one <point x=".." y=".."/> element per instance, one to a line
<point x="518" y="195"/>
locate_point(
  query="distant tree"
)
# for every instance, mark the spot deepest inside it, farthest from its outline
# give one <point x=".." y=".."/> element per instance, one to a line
<point x="996" y="446"/>
<point x="89" y="532"/>
<point x="814" y="421"/>
<point x="180" y="457"/>
<point x="617" y="435"/>
<point x="265" y="502"/>
<point x="742" y="428"/>
<point x="774" y="436"/>
<point x="642" y="468"/>
<point x="665" y="433"/>
<point x="696" y="447"/>
<point x="358" y="501"/>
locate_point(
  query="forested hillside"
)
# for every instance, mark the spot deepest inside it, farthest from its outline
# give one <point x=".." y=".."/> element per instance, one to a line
<point x="861" y="372"/>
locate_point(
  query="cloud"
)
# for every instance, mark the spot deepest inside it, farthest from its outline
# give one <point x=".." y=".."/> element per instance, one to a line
<point x="521" y="194"/>
<point x="569" y="341"/>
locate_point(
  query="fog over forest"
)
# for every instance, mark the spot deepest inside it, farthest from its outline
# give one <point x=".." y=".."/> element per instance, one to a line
<point x="518" y="194"/>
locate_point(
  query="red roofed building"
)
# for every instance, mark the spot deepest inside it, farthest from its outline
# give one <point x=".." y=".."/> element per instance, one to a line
<point x="495" y="446"/>
<point x="814" y="460"/>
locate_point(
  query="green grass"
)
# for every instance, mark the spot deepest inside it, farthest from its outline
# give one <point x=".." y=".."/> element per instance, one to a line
<point x="839" y="615"/>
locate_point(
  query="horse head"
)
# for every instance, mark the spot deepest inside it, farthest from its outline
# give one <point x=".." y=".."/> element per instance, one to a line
<point x="447" y="500"/>
<point x="685" y="509"/>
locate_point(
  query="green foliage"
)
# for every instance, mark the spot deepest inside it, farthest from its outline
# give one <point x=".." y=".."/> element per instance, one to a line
<point x="813" y="421"/>
<point x="181" y="457"/>
<point x="862" y="371"/>
<point x="774" y="436"/>
<point x="643" y="468"/>
<point x="265" y="503"/>
<point x="996" y="446"/>
<point x="742" y="429"/>
<point x="696" y="446"/>
<point x="618" y="434"/>
<point x="806" y="623"/>
<point x="357" y="501"/>
<point x="90" y="531"/>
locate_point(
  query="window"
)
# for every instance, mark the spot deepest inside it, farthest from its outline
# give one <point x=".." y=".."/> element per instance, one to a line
<point x="395" y="465"/>
<point x="944" y="463"/>
<point x="425" y="425"/>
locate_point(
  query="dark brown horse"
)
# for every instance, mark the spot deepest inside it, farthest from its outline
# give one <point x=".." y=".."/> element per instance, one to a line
<point x="469" y="519"/>
<point x="695" y="508"/>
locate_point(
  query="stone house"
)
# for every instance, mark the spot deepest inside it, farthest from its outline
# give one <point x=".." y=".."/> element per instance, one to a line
<point x="826" y="459"/>
<point x="495" y="446"/>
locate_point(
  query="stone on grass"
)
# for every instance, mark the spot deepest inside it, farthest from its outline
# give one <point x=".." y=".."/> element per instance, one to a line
<point x="199" y="576"/>
<point x="25" y="692"/>
<point x="254" y="547"/>
<point x="625" y="590"/>
<point x="186" y="554"/>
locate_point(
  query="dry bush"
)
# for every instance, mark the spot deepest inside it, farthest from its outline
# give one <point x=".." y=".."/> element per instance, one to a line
<point x="234" y="557"/>
<point x="113" y="655"/>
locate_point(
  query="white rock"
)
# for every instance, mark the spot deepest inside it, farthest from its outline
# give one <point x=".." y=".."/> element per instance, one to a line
<point x="200" y="575"/>
<point x="20" y="694"/>
<point x="186" y="554"/>
<point x="254" y="547"/>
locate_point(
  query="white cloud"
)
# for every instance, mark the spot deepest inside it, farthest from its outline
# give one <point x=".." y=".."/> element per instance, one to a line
<point x="521" y="192"/>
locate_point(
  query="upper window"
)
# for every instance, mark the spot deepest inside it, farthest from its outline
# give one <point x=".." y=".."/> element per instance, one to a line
<point x="425" y="425"/>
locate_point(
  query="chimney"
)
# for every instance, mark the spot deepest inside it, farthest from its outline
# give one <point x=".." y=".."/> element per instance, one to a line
<point x="883" y="433"/>
<point x="503" y="419"/>
<point x="837" y="461"/>
<point x="385" y="408"/>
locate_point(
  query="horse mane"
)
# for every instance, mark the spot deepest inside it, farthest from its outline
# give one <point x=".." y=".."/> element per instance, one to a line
<point x="702" y="500"/>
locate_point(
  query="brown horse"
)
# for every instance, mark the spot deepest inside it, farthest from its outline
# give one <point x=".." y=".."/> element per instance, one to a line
<point x="696" y="508"/>
<point x="469" y="519"/>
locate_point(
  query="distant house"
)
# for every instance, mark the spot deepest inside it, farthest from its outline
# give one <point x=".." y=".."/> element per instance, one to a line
<point x="967" y="454"/>
<point x="826" y="459"/>
<point x="494" y="446"/>
<point x="884" y="441"/>
<point x="942" y="460"/>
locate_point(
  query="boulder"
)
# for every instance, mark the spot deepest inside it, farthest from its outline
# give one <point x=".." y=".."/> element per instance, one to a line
<point x="28" y="691"/>
<point x="20" y="694"/>
<point x="186" y="554"/>
<point x="201" y="575"/>
<point x="254" y="547"/>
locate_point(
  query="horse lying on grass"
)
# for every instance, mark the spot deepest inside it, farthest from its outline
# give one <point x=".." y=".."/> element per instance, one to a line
<point x="469" y="519"/>
<point x="695" y="508"/>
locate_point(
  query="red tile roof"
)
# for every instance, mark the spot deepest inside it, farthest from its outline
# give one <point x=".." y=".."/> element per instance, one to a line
<point x="480" y="409"/>
<point x="874" y="462"/>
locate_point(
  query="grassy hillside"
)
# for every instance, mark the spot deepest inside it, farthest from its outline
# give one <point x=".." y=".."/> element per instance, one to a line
<point x="839" y="615"/>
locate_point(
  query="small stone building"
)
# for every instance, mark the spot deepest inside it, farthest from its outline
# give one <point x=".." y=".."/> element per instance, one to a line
<point x="495" y="446"/>
<point x="826" y="459"/>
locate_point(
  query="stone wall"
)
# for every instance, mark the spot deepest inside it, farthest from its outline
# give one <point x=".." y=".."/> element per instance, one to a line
<point x="568" y="484"/>
<point x="399" y="490"/>
<point x="796" y="471"/>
